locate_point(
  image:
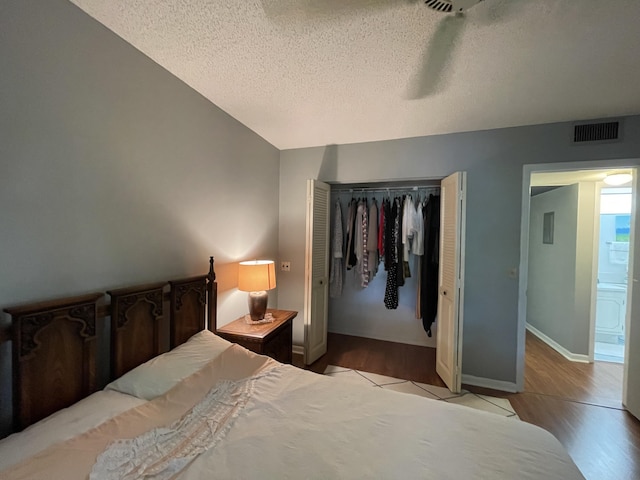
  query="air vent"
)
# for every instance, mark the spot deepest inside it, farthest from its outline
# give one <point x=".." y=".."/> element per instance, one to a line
<point x="440" y="5"/>
<point x="596" y="132"/>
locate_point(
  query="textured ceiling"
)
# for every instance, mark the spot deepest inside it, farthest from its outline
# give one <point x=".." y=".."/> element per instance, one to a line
<point x="304" y="73"/>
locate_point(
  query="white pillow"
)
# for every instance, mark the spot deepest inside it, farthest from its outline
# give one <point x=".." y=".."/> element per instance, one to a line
<point x="158" y="375"/>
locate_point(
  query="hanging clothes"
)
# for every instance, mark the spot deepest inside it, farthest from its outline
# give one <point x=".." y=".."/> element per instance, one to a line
<point x="388" y="235"/>
<point x="372" y="240"/>
<point x="381" y="232"/>
<point x="417" y="248"/>
<point x="393" y="231"/>
<point x="359" y="240"/>
<point x="337" y="264"/>
<point x="430" y="260"/>
<point x="352" y="260"/>
<point x="391" y="290"/>
<point x="395" y="256"/>
<point x="417" y="244"/>
<point x="408" y="224"/>
<point x="363" y="236"/>
<point x="400" y="265"/>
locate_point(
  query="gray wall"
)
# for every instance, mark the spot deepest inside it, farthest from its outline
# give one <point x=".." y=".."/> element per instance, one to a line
<point x="552" y="267"/>
<point x="113" y="172"/>
<point x="559" y="289"/>
<point x="494" y="162"/>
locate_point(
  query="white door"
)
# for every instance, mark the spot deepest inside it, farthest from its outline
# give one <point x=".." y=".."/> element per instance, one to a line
<point x="316" y="292"/>
<point x="631" y="383"/>
<point x="451" y="281"/>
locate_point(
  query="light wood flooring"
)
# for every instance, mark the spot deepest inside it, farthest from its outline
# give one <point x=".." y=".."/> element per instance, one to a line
<point x="578" y="403"/>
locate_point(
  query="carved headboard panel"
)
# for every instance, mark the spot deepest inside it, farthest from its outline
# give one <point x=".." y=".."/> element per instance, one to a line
<point x="136" y="315"/>
<point x="48" y="338"/>
<point x="188" y="303"/>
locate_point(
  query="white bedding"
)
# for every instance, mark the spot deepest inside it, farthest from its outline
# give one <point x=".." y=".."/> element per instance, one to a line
<point x="302" y="425"/>
<point x="297" y="424"/>
<point x="67" y="423"/>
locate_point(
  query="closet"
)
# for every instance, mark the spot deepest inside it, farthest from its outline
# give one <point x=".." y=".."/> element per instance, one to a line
<point x="365" y="304"/>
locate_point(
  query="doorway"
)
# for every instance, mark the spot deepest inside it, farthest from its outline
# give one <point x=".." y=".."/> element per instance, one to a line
<point x="579" y="340"/>
<point x="613" y="265"/>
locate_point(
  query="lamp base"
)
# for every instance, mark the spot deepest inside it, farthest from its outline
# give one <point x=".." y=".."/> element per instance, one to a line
<point x="258" y="305"/>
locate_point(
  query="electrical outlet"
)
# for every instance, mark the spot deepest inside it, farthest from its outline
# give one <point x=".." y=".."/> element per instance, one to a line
<point x="285" y="266"/>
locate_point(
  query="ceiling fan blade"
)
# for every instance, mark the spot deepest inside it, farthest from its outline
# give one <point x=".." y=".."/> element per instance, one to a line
<point x="438" y="56"/>
<point x="496" y="11"/>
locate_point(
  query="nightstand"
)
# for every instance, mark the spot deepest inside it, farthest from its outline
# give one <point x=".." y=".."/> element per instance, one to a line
<point x="273" y="339"/>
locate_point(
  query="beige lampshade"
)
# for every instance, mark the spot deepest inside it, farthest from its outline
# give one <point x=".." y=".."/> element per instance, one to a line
<point x="256" y="275"/>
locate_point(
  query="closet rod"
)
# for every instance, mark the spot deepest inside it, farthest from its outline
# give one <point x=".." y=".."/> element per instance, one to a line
<point x="385" y="190"/>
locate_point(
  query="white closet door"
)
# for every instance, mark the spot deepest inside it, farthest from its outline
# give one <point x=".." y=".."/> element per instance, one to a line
<point x="451" y="281"/>
<point x="316" y="294"/>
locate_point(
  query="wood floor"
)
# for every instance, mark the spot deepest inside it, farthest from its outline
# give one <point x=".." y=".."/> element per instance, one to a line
<point x="579" y="403"/>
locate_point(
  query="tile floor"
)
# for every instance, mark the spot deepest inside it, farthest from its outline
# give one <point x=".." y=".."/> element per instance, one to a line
<point x="609" y="352"/>
<point x="500" y="406"/>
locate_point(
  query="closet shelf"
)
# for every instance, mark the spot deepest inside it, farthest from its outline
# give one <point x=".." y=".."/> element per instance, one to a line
<point x="390" y="185"/>
<point x="384" y="187"/>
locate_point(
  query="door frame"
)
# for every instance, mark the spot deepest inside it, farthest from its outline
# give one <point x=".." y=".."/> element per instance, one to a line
<point x="594" y="280"/>
<point x="528" y="169"/>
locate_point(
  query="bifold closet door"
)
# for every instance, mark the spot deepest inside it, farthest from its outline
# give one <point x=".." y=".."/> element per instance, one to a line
<point x="316" y="292"/>
<point x="451" y="281"/>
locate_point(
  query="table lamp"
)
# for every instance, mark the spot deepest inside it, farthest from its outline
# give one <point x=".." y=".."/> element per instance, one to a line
<point x="256" y="277"/>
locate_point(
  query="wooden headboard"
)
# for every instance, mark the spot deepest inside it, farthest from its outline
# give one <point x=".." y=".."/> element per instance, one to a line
<point x="54" y="343"/>
<point x="54" y="356"/>
<point x="188" y="300"/>
<point x="136" y="314"/>
<point x="193" y="301"/>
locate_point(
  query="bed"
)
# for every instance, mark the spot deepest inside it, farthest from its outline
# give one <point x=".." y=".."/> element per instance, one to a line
<point x="207" y="408"/>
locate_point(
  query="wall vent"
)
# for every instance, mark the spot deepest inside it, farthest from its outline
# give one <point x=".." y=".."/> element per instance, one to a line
<point x="596" y="132"/>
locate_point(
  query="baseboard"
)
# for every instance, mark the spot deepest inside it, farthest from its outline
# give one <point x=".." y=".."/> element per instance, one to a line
<point x="298" y="350"/>
<point x="574" y="357"/>
<point x="489" y="383"/>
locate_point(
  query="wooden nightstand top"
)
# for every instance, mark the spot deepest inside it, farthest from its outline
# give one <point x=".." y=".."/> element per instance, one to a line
<point x="261" y="330"/>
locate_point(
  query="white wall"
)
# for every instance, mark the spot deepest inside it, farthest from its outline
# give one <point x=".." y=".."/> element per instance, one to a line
<point x="494" y="163"/>
<point x="559" y="289"/>
<point x="113" y="172"/>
